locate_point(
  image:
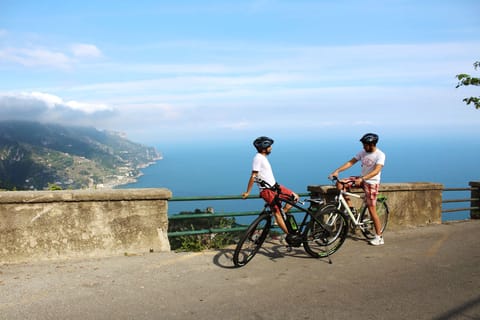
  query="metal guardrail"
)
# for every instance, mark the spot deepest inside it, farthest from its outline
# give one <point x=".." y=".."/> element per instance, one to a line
<point x="468" y="200"/>
<point x="216" y="215"/>
<point x="253" y="213"/>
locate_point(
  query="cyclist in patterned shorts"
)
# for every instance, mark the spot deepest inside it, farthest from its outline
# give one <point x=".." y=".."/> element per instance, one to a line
<point x="372" y="160"/>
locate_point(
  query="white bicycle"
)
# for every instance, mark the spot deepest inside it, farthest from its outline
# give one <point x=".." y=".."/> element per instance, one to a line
<point x="358" y="217"/>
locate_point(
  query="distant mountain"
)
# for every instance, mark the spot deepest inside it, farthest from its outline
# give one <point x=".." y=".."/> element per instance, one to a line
<point x="39" y="156"/>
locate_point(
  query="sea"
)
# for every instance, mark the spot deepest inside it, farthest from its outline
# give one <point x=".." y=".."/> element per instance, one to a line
<point x="223" y="168"/>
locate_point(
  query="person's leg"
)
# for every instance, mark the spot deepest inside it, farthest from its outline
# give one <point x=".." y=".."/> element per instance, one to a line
<point x="346" y="187"/>
<point x="371" y="192"/>
<point x="280" y="221"/>
<point x="376" y="221"/>
<point x="378" y="240"/>
<point x="269" y="197"/>
<point x="288" y="206"/>
<point x="290" y="195"/>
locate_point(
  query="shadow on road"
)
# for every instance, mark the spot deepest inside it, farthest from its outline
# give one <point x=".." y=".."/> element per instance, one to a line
<point x="465" y="310"/>
<point x="273" y="250"/>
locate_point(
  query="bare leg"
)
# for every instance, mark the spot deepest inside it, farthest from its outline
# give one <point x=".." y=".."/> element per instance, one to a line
<point x="287" y="206"/>
<point x="376" y="220"/>
<point x="280" y="221"/>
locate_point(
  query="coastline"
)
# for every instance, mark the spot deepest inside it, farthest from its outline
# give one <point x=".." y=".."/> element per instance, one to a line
<point x="128" y="178"/>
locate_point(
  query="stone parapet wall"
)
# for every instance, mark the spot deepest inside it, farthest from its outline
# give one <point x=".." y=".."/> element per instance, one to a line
<point x="410" y="204"/>
<point x="42" y="225"/>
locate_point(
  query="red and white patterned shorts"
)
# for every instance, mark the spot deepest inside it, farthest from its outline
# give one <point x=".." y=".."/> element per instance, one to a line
<point x="371" y="190"/>
<point x="269" y="195"/>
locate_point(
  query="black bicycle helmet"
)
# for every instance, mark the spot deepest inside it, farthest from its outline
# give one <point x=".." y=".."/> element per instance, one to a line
<point x="369" y="138"/>
<point x="262" y="142"/>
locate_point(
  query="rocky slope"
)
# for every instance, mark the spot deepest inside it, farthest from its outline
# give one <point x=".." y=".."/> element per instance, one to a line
<point x="41" y="156"/>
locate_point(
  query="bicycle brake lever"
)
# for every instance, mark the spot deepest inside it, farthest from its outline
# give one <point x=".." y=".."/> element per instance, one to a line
<point x="333" y="178"/>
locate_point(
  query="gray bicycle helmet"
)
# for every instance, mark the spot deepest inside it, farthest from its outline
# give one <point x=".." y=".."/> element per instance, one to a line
<point x="262" y="142"/>
<point x="369" y="138"/>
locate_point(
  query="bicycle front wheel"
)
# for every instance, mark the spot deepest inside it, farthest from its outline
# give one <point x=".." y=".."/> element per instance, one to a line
<point x="252" y="240"/>
<point x="367" y="227"/>
<point x="326" y="232"/>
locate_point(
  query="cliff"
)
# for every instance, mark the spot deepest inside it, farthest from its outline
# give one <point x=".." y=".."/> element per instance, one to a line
<point x="35" y="156"/>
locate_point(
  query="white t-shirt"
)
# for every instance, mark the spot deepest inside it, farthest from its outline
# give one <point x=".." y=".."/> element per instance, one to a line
<point x="369" y="161"/>
<point x="264" y="169"/>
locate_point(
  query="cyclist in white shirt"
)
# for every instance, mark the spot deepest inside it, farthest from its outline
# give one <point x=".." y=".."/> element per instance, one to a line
<point x="262" y="169"/>
<point x="372" y="160"/>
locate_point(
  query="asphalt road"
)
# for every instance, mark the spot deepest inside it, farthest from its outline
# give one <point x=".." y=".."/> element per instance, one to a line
<point x="423" y="273"/>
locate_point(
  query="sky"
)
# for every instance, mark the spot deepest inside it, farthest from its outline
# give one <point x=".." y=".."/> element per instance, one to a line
<point x="211" y="70"/>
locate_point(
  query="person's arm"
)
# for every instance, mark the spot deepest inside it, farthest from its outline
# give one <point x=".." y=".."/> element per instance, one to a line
<point x="343" y="167"/>
<point x="376" y="170"/>
<point x="251" y="181"/>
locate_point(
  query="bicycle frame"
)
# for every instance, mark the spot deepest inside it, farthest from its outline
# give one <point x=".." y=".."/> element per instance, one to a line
<point x="297" y="205"/>
<point x="306" y="211"/>
<point x="294" y="204"/>
<point x="342" y="202"/>
<point x="360" y="217"/>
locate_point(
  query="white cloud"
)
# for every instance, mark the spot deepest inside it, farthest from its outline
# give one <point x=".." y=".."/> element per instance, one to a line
<point x="36" y="57"/>
<point x="49" y="99"/>
<point x="88" y="108"/>
<point x="45" y="107"/>
<point x="53" y="101"/>
<point x="85" y="50"/>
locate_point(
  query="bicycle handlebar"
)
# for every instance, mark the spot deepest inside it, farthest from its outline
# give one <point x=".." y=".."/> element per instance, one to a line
<point x="335" y="179"/>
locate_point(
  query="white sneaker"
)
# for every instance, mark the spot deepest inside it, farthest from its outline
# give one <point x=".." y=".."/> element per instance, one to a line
<point x="377" y="241"/>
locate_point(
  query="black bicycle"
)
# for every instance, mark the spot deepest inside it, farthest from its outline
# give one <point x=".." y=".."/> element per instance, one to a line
<point x="319" y="237"/>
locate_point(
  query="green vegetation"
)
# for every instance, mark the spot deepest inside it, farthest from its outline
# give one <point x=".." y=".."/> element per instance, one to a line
<point x="54" y="187"/>
<point x="467" y="80"/>
<point x="202" y="241"/>
<point x="37" y="156"/>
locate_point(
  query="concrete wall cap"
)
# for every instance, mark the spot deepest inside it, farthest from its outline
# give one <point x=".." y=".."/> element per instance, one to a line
<point x="84" y="195"/>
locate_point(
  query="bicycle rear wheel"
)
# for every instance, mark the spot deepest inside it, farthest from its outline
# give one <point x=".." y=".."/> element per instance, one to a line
<point x="368" y="228"/>
<point x="252" y="240"/>
<point x="326" y="232"/>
